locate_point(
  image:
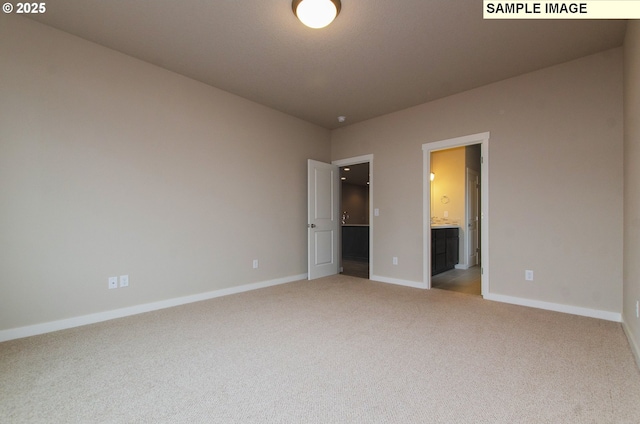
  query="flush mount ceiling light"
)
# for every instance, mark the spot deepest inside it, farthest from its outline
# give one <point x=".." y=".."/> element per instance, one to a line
<point x="316" y="13"/>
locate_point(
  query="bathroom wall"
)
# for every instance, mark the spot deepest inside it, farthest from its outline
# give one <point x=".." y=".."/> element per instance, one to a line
<point x="448" y="198"/>
<point x="355" y="201"/>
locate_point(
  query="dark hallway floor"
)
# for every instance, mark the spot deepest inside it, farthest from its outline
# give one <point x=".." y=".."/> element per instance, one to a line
<point x="355" y="268"/>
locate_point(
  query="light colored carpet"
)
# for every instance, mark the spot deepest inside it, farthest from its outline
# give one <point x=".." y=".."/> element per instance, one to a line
<point x="335" y="350"/>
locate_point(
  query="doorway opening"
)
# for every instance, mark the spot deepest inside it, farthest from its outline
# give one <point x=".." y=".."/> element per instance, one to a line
<point x="356" y="215"/>
<point x="456" y="218"/>
<point x="455" y="230"/>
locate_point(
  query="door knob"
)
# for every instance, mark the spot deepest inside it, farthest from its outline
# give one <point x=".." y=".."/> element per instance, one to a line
<point x="312" y="225"/>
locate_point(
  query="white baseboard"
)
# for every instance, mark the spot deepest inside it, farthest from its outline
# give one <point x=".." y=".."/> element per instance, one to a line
<point x="635" y="347"/>
<point x="407" y="283"/>
<point x="48" y="327"/>
<point x="557" y="307"/>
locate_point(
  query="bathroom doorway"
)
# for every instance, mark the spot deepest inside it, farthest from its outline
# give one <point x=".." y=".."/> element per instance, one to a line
<point x="455" y="187"/>
<point x="456" y="218"/>
<point x="355" y="216"/>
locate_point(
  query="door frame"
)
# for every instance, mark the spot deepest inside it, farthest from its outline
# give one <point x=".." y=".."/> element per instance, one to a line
<point x="469" y="172"/>
<point x="355" y="161"/>
<point x="427" y="148"/>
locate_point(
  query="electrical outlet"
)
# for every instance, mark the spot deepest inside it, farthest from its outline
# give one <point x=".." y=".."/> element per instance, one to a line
<point x="395" y="260"/>
<point x="124" y="281"/>
<point x="528" y="275"/>
<point x="113" y="282"/>
<point x="255" y="263"/>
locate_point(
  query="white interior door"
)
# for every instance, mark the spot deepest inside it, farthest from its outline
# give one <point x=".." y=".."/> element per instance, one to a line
<point x="473" y="188"/>
<point x="323" y="220"/>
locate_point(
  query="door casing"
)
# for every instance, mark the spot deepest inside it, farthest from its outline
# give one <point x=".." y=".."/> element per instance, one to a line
<point x="427" y="148"/>
<point x="355" y="161"/>
<point x="472" y="213"/>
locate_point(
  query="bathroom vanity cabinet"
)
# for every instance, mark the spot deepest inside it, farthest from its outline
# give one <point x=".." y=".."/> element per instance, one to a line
<point x="444" y="248"/>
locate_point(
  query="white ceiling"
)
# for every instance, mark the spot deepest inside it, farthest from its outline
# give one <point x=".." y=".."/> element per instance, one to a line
<point x="377" y="57"/>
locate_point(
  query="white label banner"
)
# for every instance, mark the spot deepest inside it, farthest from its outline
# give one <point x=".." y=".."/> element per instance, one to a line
<point x="586" y="9"/>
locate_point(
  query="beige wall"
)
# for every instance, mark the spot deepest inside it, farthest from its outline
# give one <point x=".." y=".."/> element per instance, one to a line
<point x="631" y="287"/>
<point x="555" y="180"/>
<point x="112" y="166"/>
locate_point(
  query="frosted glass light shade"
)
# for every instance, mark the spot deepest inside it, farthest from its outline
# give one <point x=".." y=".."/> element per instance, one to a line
<point x="316" y="13"/>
